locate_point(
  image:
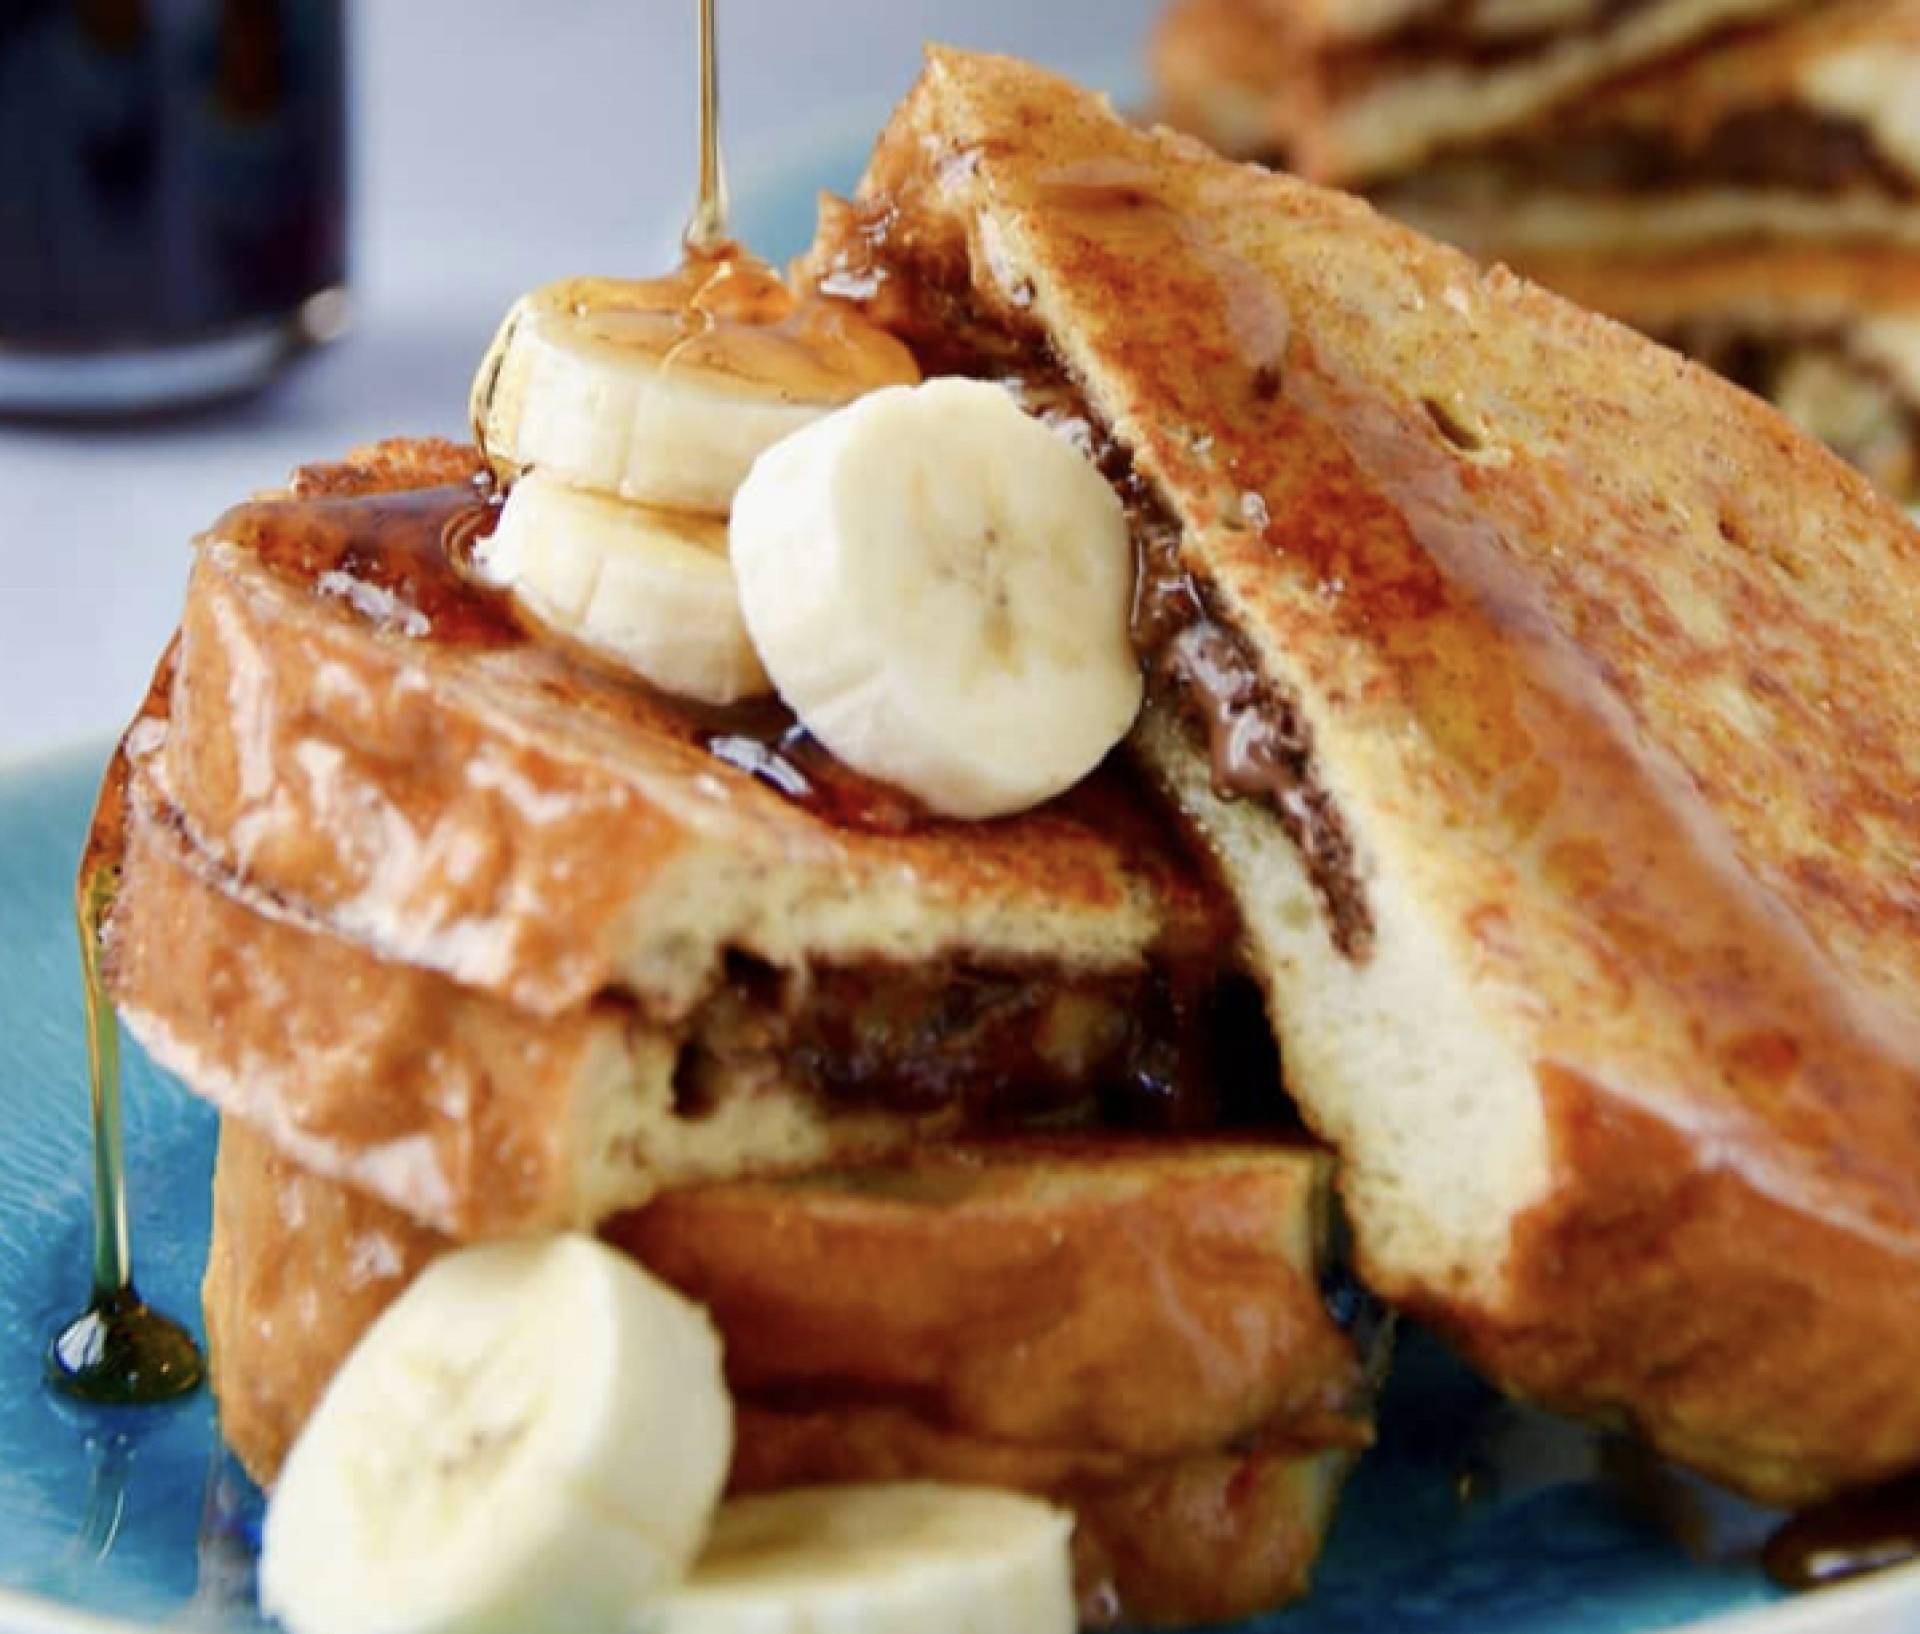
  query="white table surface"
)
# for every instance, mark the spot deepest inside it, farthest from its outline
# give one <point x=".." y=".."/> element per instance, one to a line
<point x="498" y="143"/>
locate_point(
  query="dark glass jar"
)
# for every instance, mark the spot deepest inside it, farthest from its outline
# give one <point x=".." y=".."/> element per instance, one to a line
<point x="172" y="197"/>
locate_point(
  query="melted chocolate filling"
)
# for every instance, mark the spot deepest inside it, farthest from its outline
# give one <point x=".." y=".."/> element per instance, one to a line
<point x="1178" y="1047"/>
<point x="1782" y="147"/>
<point x="1448" y="32"/>
<point x="1260" y="745"/>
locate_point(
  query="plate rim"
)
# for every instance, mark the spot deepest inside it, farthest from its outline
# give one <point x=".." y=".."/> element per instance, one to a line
<point x="1846" y="1608"/>
<point x="47" y="759"/>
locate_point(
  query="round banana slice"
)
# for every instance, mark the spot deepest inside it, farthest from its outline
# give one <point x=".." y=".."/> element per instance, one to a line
<point x="940" y="588"/>
<point x="908" y="1558"/>
<point x="649" y="591"/>
<point x="533" y="1436"/>
<point x="665" y="391"/>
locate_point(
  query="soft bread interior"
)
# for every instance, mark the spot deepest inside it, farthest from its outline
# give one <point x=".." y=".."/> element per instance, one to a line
<point x="1437" y="1118"/>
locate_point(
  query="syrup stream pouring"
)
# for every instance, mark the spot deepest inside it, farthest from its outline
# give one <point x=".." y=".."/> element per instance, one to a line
<point x="707" y="230"/>
<point x="119" y="1351"/>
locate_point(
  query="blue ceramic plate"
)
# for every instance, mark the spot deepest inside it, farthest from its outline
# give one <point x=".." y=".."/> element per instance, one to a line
<point x="1471" y="1517"/>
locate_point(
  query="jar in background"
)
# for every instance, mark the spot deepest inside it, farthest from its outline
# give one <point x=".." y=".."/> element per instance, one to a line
<point x="173" y="198"/>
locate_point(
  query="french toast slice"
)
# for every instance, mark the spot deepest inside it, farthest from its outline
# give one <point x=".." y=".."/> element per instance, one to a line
<point x="1124" y="1263"/>
<point x="475" y="1117"/>
<point x="1351" y="95"/>
<point x="1140" y="1298"/>
<point x="1800" y="133"/>
<point x="481" y="1119"/>
<point x="369" y="743"/>
<point x="1828" y="333"/>
<point x="1566" y="698"/>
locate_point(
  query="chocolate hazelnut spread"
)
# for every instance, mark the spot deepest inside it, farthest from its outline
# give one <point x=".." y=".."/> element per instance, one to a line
<point x="1260" y="746"/>
<point x="1263" y="750"/>
<point x="1781" y="148"/>
<point x="1452" y="32"/>
<point x="995" y="1047"/>
<point x="1857" y="1533"/>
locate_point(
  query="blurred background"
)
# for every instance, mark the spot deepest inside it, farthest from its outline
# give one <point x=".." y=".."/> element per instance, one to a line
<point x="1744" y="189"/>
<point x="495" y="144"/>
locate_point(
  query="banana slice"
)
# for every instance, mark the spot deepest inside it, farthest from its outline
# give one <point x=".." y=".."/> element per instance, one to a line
<point x="665" y="391"/>
<point x="940" y="587"/>
<point x="911" y="1558"/>
<point x="651" y="591"/>
<point x="533" y="1436"/>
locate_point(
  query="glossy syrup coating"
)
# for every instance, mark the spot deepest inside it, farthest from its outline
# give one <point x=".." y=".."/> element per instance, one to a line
<point x="568" y="796"/>
<point x="119" y="1351"/>
<point x="723" y="318"/>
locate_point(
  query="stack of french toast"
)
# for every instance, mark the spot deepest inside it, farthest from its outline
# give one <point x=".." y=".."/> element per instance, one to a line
<point x="1740" y="179"/>
<point x="1515" y="852"/>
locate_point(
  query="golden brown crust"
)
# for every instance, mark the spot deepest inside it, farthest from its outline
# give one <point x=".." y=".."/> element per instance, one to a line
<point x="473" y="1116"/>
<point x="1831" y="333"/>
<point x="1114" y="1294"/>
<point x="1608" y="670"/>
<point x="300" y="1267"/>
<point x="1148" y="1299"/>
<point x="449" y="1102"/>
<point x="1738" y="1332"/>
<point x="1199" y="1538"/>
<point x="297" y="1269"/>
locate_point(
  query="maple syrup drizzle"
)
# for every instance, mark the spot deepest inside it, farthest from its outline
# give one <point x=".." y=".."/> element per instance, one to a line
<point x="399" y="559"/>
<point x="1852" y="1535"/>
<point x="707" y="230"/>
<point x="119" y="1351"/>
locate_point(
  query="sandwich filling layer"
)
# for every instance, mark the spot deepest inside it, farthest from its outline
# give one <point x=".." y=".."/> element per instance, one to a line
<point x="1779" y="148"/>
<point x="1475" y="33"/>
<point x="1258" y="741"/>
<point x="972" y="1042"/>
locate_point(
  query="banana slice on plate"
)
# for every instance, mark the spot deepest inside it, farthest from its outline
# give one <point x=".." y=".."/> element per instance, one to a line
<point x="648" y="590"/>
<point x="533" y="1436"/>
<point x="907" y="1558"/>
<point x="664" y="391"/>
<point x="940" y="588"/>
